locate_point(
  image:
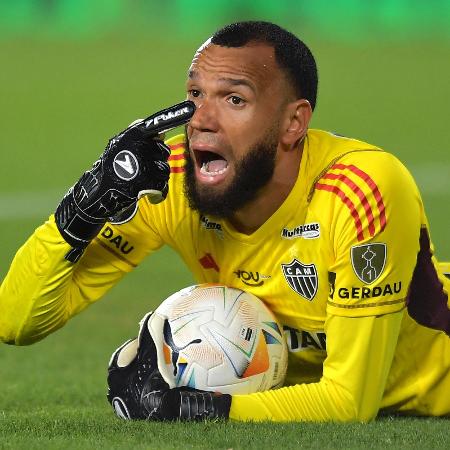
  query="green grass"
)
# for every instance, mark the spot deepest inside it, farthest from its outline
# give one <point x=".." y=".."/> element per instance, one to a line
<point x="76" y="428"/>
<point x="61" y="101"/>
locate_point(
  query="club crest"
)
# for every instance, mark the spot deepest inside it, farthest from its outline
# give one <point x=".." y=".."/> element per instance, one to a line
<point x="302" y="278"/>
<point x="368" y="261"/>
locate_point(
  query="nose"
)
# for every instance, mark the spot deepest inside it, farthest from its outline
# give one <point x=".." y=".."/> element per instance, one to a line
<point x="205" y="116"/>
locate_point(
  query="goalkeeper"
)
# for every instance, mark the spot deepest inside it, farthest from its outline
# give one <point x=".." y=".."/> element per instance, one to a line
<point x="332" y="229"/>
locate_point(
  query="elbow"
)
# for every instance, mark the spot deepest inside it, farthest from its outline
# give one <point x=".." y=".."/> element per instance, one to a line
<point x="351" y="407"/>
<point x="361" y="416"/>
<point x="13" y="333"/>
<point x="9" y="332"/>
<point x="11" y="336"/>
<point x="353" y="411"/>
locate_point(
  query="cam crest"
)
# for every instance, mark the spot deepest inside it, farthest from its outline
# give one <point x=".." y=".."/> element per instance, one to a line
<point x="302" y="278"/>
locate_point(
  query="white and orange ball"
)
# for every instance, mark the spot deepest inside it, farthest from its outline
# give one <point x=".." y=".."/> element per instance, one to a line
<point x="217" y="338"/>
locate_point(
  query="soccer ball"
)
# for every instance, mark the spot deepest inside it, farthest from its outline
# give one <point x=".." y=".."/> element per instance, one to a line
<point x="220" y="339"/>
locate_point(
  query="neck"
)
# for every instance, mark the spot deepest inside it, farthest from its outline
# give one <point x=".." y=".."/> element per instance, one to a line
<point x="249" y="218"/>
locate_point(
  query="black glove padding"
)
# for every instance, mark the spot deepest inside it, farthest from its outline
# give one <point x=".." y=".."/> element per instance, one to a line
<point x="133" y="164"/>
<point x="184" y="403"/>
<point x="133" y="374"/>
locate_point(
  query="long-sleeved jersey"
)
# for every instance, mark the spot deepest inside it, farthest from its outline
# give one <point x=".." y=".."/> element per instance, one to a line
<point x="344" y="263"/>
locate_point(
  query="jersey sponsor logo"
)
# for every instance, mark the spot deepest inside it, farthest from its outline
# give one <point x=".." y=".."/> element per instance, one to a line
<point x="302" y="278"/>
<point x="373" y="292"/>
<point x="301" y="340"/>
<point x="118" y="240"/>
<point x="368" y="261"/>
<point x="208" y="262"/>
<point x="125" y="165"/>
<point x="254" y="279"/>
<point x="208" y="224"/>
<point x="306" y="231"/>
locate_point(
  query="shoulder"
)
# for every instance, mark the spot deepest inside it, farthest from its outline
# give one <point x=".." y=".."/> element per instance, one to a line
<point x="362" y="169"/>
<point x="367" y="188"/>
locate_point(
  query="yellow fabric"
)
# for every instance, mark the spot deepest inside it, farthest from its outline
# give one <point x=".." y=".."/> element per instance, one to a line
<point x="310" y="262"/>
<point x="352" y="384"/>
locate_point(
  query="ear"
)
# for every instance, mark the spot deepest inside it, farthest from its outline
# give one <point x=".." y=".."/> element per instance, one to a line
<point x="298" y="116"/>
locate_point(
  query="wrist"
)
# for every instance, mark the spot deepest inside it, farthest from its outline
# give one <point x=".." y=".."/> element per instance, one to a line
<point x="76" y="227"/>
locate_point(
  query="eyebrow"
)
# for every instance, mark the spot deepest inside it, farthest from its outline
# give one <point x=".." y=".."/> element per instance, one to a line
<point x="238" y="82"/>
<point x="192" y="74"/>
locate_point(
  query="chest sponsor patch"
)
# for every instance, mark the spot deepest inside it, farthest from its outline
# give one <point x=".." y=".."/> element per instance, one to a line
<point x="301" y="340"/>
<point x="302" y="278"/>
<point x="368" y="261"/>
<point x="251" y="278"/>
<point x="208" y="224"/>
<point x="306" y="231"/>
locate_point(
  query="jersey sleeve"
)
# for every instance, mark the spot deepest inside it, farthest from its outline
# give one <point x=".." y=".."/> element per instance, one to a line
<point x="374" y="215"/>
<point x="353" y="381"/>
<point x="43" y="290"/>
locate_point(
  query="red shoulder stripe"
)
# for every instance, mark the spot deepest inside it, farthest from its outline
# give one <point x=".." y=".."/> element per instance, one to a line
<point x="176" y="157"/>
<point x="362" y="197"/>
<point x="176" y="146"/>
<point x="372" y="185"/>
<point x="176" y="169"/>
<point x="335" y="190"/>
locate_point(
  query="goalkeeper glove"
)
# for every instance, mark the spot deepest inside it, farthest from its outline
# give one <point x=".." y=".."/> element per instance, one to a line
<point x="133" y="373"/>
<point x="184" y="403"/>
<point x="137" y="390"/>
<point x="133" y="164"/>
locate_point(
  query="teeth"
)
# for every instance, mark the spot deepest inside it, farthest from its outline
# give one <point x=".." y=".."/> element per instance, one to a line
<point x="205" y="170"/>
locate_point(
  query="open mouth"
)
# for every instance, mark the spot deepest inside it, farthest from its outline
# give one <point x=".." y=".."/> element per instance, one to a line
<point x="211" y="164"/>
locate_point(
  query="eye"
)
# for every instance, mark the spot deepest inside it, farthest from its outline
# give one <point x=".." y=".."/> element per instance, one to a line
<point x="235" y="100"/>
<point x="194" y="93"/>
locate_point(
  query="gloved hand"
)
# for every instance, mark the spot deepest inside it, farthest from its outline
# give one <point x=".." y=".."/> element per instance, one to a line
<point x="137" y="390"/>
<point x="184" y="403"/>
<point x="133" y="374"/>
<point x="133" y="164"/>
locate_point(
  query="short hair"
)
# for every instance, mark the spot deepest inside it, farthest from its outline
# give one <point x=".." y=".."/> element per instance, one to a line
<point x="291" y="54"/>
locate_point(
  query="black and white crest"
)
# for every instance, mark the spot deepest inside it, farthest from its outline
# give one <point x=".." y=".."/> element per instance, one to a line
<point x="368" y="261"/>
<point x="302" y="278"/>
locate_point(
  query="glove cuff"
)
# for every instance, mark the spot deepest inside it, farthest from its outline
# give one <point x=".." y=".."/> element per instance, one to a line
<point x="76" y="227"/>
<point x="191" y="404"/>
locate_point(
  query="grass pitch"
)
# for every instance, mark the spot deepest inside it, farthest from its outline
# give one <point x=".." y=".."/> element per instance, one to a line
<point x="60" y="104"/>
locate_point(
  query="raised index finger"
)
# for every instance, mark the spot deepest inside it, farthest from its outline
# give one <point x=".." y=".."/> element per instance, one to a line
<point x="167" y="119"/>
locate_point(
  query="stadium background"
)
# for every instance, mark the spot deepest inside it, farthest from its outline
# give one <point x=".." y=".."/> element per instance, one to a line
<point x="74" y="72"/>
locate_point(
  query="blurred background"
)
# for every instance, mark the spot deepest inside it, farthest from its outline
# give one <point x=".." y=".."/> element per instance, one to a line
<point x="74" y="72"/>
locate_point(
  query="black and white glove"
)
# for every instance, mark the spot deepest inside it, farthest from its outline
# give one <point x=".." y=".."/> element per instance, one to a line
<point x="133" y="164"/>
<point x="137" y="390"/>
<point x="186" y="404"/>
<point x="133" y="373"/>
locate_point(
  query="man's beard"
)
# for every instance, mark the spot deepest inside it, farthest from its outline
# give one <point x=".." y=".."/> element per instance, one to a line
<point x="252" y="173"/>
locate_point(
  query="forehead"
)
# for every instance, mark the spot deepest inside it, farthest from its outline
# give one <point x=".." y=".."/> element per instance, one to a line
<point x="254" y="62"/>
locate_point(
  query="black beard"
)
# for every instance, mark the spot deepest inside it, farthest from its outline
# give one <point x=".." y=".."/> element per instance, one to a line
<point x="253" y="172"/>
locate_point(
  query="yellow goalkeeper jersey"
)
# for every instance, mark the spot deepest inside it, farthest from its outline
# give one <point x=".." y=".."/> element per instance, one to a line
<point x="343" y="263"/>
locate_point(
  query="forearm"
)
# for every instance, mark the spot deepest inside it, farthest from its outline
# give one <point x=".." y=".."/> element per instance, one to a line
<point x="42" y="290"/>
<point x="316" y="402"/>
<point x="353" y="383"/>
